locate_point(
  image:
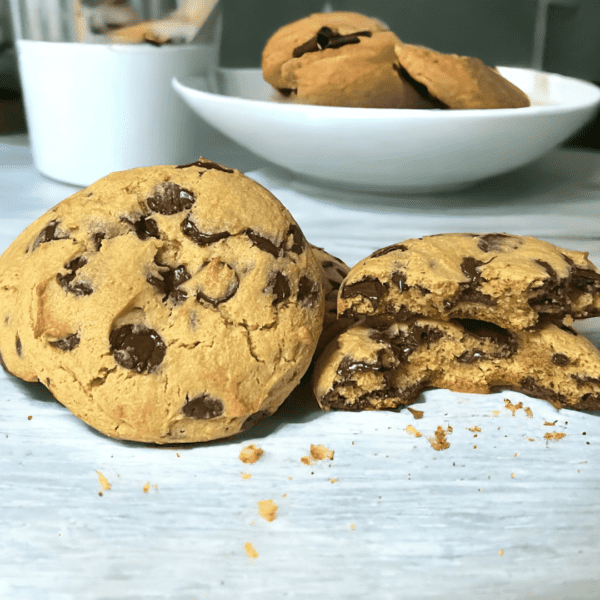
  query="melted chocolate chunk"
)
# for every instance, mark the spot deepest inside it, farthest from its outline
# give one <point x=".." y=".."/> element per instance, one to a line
<point x="349" y="366"/>
<point x="144" y="228"/>
<point x="582" y="379"/>
<point x="206" y="164"/>
<point x="254" y="418"/>
<point x="287" y="92"/>
<point x="137" y="348"/>
<point x="587" y="281"/>
<point x="399" y="280"/>
<point x="552" y="294"/>
<point x="280" y="286"/>
<point x="560" y="360"/>
<point x="168" y="286"/>
<point x="65" y="281"/>
<point x="19" y="347"/>
<point x="190" y="230"/>
<point x="169" y="198"/>
<point x="327" y="38"/>
<point x="530" y="387"/>
<point x="492" y="242"/>
<point x="506" y="342"/>
<point x="407" y="342"/>
<point x="372" y="289"/>
<point x="49" y="234"/>
<point x="468" y="291"/>
<point x="298" y="241"/>
<point x="308" y="291"/>
<point x="421" y="89"/>
<point x="203" y="407"/>
<point x="66" y="344"/>
<point x="388" y="249"/>
<point x="262" y="243"/>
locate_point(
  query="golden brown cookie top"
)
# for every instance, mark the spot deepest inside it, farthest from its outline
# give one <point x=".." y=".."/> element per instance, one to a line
<point x="509" y="280"/>
<point x="459" y="82"/>
<point x="301" y="37"/>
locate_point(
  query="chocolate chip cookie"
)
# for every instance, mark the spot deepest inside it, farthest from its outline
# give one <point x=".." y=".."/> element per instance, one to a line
<point x="164" y="304"/>
<point x="457" y="82"/>
<point x="512" y="281"/>
<point x="384" y="364"/>
<point x="339" y="59"/>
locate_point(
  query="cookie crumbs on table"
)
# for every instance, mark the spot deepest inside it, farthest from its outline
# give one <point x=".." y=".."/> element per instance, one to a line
<point x="251" y="454"/>
<point x="267" y="509"/>
<point x="250" y="550"/>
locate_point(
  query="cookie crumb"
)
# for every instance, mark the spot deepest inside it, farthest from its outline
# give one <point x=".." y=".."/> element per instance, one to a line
<point x="245" y="475"/>
<point x="512" y="475"/>
<point x="528" y="412"/>
<point x="417" y="414"/>
<point x="353" y="526"/>
<point x="412" y="431"/>
<point x="306" y="460"/>
<point x="501" y="552"/>
<point x="267" y="509"/>
<point x="250" y="550"/>
<point x="30" y="417"/>
<point x="474" y="428"/>
<point x="146" y="487"/>
<point x="554" y="435"/>
<point x="512" y="407"/>
<point x="548" y="424"/>
<point x="250" y="454"/>
<point x="103" y="481"/>
<point x="531" y="439"/>
<point x="333" y="480"/>
<point x="320" y="452"/>
<point x="438" y="440"/>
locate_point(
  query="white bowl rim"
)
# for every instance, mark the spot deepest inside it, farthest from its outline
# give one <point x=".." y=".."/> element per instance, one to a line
<point x="352" y="113"/>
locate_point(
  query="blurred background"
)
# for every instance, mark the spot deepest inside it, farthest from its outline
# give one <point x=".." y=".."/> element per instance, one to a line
<point x="560" y="36"/>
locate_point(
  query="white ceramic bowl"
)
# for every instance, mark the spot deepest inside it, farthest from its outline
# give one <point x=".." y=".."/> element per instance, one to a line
<point x="392" y="149"/>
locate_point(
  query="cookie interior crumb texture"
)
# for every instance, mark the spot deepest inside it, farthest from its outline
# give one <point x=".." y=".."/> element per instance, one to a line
<point x="204" y="329"/>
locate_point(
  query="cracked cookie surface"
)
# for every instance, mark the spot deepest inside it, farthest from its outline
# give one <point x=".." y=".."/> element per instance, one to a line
<point x="384" y="364"/>
<point x="512" y="281"/>
<point x="339" y="59"/>
<point x="166" y="304"/>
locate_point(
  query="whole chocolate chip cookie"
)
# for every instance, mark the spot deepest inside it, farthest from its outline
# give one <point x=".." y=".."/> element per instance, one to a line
<point x="459" y="82"/>
<point x="164" y="304"/>
<point x="512" y="281"/>
<point x="384" y="364"/>
<point x="339" y="59"/>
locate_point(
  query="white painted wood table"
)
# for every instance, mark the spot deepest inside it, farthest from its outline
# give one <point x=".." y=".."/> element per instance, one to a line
<point x="501" y="513"/>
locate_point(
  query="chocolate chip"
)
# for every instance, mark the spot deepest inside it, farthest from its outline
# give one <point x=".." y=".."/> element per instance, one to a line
<point x="190" y="230"/>
<point x="203" y="407"/>
<point x="298" y="240"/>
<point x="468" y="291"/>
<point x="529" y="386"/>
<point x="68" y="343"/>
<point x="50" y="233"/>
<point x="144" y="228"/>
<point x="280" y="286"/>
<point x="492" y="242"/>
<point x="206" y="164"/>
<point x="18" y="347"/>
<point x="372" y="289"/>
<point x="65" y="281"/>
<point x="169" y="198"/>
<point x="172" y="278"/>
<point x="137" y="347"/>
<point x="308" y="291"/>
<point x="262" y="243"/>
<point x="254" y="418"/>
<point x="388" y="249"/>
<point x="560" y="359"/>
<point x="327" y="38"/>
